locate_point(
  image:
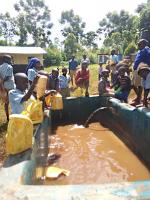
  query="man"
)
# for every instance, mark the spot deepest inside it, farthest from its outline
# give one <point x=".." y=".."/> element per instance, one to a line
<point x="143" y="55"/>
<point x="6" y="81"/>
<point x="73" y="64"/>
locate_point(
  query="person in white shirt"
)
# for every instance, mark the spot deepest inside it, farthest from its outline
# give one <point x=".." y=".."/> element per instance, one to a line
<point x="85" y="59"/>
<point x="64" y="81"/>
<point x="144" y="72"/>
<point x="6" y="81"/>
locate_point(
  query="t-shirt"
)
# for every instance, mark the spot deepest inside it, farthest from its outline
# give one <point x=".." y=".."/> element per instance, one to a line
<point x="15" y="98"/>
<point x="85" y="60"/>
<point x="114" y="58"/>
<point x="73" y="64"/>
<point x="103" y="86"/>
<point x="32" y="73"/>
<point x="53" y="82"/>
<point x="142" y="56"/>
<point x="84" y="74"/>
<point x="146" y="83"/>
<point x="6" y="72"/>
<point x="64" y="81"/>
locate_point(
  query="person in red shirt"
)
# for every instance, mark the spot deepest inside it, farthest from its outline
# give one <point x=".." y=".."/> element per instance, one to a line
<point x="82" y="77"/>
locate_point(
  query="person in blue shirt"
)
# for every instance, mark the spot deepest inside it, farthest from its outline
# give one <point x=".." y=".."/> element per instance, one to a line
<point x="143" y="56"/>
<point x="64" y="81"/>
<point x="73" y="64"/>
<point x="114" y="57"/>
<point x="19" y="95"/>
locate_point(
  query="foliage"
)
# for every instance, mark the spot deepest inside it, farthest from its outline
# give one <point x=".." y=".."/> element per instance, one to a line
<point x="72" y="25"/>
<point x="53" y="57"/>
<point x="33" y="20"/>
<point x="131" y="48"/>
<point x="119" y="29"/>
<point x="7" y="28"/>
<point x="89" y="40"/>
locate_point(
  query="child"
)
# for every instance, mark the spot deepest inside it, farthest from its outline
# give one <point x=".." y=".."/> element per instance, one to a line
<point x="32" y="70"/>
<point x="144" y="72"/>
<point x="122" y="85"/>
<point x="6" y="81"/>
<point x="18" y="96"/>
<point x="82" y="77"/>
<point x="104" y="83"/>
<point x="113" y="72"/>
<point x="100" y="70"/>
<point x="64" y="81"/>
<point x="53" y="81"/>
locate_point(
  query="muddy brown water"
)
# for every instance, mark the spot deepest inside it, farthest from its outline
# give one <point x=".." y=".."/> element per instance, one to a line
<point x="94" y="155"/>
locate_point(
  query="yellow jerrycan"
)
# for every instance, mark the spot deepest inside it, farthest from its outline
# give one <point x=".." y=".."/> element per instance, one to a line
<point x="19" y="134"/>
<point x="34" y="110"/>
<point x="41" y="86"/>
<point x="56" y="102"/>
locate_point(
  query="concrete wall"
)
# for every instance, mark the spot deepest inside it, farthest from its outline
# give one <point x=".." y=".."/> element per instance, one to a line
<point x="23" y="58"/>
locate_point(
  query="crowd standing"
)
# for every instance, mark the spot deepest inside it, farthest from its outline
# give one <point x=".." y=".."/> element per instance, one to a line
<point x="114" y="79"/>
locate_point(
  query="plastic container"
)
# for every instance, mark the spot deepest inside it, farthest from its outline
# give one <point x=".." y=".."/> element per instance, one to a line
<point x="56" y="102"/>
<point x="19" y="134"/>
<point x="41" y="86"/>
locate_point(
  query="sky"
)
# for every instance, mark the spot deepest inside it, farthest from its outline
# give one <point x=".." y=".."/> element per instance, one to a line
<point x="91" y="11"/>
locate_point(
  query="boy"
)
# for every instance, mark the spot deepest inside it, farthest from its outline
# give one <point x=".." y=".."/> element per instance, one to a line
<point x="104" y="83"/>
<point x="100" y="70"/>
<point x="82" y="77"/>
<point x="18" y="96"/>
<point x="73" y="64"/>
<point x="122" y="85"/>
<point x="6" y="81"/>
<point x="64" y="81"/>
<point x="53" y="81"/>
<point x="144" y="72"/>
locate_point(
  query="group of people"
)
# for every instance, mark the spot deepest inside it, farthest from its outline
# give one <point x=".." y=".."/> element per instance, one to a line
<point x="115" y="79"/>
<point x="122" y="80"/>
<point x="17" y="89"/>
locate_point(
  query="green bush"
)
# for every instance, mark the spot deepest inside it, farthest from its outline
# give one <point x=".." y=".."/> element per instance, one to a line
<point x="131" y="48"/>
<point x="53" y="57"/>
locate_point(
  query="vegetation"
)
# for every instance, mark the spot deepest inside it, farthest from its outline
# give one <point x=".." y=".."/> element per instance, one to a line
<point x="33" y="23"/>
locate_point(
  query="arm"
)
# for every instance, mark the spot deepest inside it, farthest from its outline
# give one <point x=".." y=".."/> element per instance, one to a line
<point x="30" y="91"/>
<point x="146" y="92"/>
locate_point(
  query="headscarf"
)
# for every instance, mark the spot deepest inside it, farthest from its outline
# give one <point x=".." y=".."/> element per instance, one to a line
<point x="32" y="64"/>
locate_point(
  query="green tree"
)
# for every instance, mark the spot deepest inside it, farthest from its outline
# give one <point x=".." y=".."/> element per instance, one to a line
<point x="90" y="40"/>
<point x="53" y="57"/>
<point x="119" y="29"/>
<point x="72" y="25"/>
<point x="7" y="28"/>
<point x="34" y="16"/>
<point x="71" y="46"/>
